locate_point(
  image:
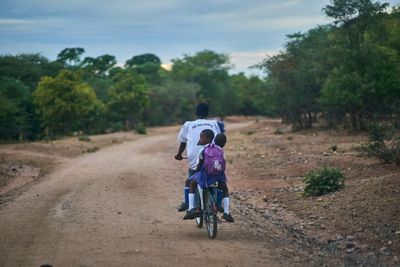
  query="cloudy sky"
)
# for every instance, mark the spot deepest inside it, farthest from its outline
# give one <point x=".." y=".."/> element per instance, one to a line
<point x="247" y="30"/>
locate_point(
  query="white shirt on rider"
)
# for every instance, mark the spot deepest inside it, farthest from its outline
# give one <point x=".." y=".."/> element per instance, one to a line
<point x="190" y="134"/>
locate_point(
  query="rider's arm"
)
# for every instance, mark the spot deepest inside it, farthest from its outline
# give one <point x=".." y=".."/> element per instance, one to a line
<point x="182" y="147"/>
<point x="201" y="161"/>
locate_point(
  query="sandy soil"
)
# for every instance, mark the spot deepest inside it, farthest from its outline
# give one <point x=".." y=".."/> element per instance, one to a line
<point x="112" y="202"/>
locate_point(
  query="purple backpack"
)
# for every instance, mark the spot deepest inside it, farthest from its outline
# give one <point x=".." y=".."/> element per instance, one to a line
<point x="214" y="161"/>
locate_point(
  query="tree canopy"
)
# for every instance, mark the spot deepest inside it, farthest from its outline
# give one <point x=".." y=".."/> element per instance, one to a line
<point x="345" y="72"/>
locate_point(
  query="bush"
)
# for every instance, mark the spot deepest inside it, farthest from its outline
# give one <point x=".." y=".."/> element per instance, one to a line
<point x="383" y="144"/>
<point x="322" y="181"/>
<point x="141" y="128"/>
<point x="84" y="138"/>
<point x="117" y="127"/>
<point x="380" y="131"/>
<point x="387" y="151"/>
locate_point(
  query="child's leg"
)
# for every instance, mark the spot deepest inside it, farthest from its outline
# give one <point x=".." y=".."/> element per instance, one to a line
<point x="192" y="190"/>
<point x="225" y="199"/>
<point x="186" y="192"/>
<point x="227" y="217"/>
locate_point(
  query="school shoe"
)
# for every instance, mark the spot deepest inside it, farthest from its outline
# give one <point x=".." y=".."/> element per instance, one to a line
<point x="191" y="214"/>
<point x="227" y="217"/>
<point x="182" y="207"/>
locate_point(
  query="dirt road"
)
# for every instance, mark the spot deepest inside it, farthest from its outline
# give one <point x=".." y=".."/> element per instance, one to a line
<point x="117" y="207"/>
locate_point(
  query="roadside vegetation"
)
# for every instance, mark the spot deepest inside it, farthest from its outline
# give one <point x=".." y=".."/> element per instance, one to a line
<point x="345" y="73"/>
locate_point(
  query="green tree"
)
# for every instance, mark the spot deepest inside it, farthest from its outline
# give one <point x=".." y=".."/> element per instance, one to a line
<point x="251" y="96"/>
<point x="209" y="70"/>
<point x="296" y="76"/>
<point x="28" y="68"/>
<point x="128" y="97"/>
<point x="148" y="65"/>
<point x="14" y="100"/>
<point x="99" y="66"/>
<point x="71" y="57"/>
<point x="66" y="103"/>
<point x="177" y="94"/>
<point x="356" y="85"/>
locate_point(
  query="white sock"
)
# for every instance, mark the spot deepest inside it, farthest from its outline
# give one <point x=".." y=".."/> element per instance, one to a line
<point x="226" y="205"/>
<point x="191" y="201"/>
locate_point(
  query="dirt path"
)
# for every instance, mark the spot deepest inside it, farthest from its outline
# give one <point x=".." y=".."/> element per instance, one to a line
<point x="116" y="207"/>
<point x="112" y="202"/>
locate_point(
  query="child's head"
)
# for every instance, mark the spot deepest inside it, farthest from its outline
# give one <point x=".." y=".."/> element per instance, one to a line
<point x="220" y="140"/>
<point x="206" y="137"/>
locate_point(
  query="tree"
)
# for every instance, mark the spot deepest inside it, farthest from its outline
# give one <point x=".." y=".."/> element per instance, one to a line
<point x="353" y="81"/>
<point x="128" y="98"/>
<point x="296" y="76"/>
<point x="99" y="66"/>
<point x="177" y="94"/>
<point x="250" y="95"/>
<point x="28" y="68"/>
<point x="14" y="100"/>
<point x="209" y="70"/>
<point x="66" y="103"/>
<point x="71" y="57"/>
<point x="147" y="65"/>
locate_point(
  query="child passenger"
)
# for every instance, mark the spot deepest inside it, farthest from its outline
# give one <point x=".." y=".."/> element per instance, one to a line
<point x="202" y="178"/>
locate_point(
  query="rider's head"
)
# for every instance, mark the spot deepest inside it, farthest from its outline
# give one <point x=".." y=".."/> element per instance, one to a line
<point x="202" y="110"/>
<point x="206" y="137"/>
<point x="220" y="140"/>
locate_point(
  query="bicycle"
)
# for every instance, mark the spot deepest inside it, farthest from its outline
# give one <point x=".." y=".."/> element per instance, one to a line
<point x="209" y="211"/>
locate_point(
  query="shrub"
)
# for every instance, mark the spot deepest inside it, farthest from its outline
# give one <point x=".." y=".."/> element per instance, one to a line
<point x="387" y="151"/>
<point x="380" y="131"/>
<point x="84" y="138"/>
<point x="322" y="181"/>
<point x="383" y="144"/>
<point x="141" y="128"/>
<point x="117" y="127"/>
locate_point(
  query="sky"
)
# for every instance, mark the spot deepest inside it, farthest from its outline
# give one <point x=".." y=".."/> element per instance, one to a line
<point x="246" y="30"/>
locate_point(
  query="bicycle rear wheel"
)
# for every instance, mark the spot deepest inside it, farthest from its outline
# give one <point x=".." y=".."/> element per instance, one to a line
<point x="210" y="214"/>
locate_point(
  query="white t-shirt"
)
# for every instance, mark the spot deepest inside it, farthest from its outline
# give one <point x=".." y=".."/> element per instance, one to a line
<point x="190" y="134"/>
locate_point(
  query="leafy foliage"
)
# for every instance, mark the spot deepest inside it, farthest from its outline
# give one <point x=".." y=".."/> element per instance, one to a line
<point x="128" y="97"/>
<point x="322" y="181"/>
<point x="14" y="100"/>
<point x="209" y="70"/>
<point x="71" y="57"/>
<point x="346" y="72"/>
<point x="65" y="103"/>
<point x="383" y="143"/>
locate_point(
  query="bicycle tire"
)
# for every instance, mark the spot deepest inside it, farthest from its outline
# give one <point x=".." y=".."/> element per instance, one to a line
<point x="210" y="215"/>
<point x="199" y="220"/>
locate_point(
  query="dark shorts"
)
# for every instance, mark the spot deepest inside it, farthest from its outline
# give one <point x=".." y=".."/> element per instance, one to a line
<point x="191" y="172"/>
<point x="204" y="180"/>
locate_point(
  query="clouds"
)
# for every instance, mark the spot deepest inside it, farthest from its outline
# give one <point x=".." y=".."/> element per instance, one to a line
<point x="168" y="28"/>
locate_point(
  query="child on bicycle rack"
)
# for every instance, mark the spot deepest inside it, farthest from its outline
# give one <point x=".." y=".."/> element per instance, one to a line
<point x="202" y="178"/>
<point x="220" y="140"/>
